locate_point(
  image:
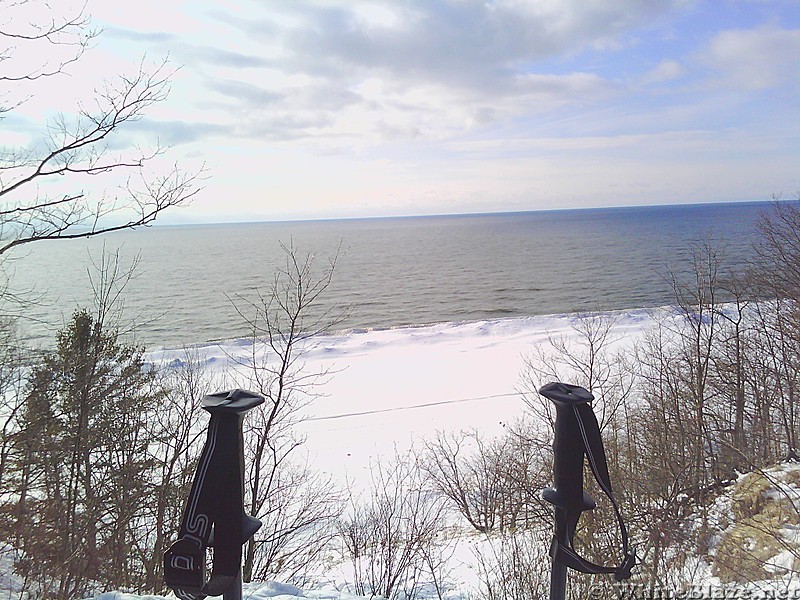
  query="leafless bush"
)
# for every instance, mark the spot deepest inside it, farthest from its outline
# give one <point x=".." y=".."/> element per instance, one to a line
<point x="513" y="565"/>
<point x="494" y="484"/>
<point x="390" y="537"/>
<point x="299" y="524"/>
<point x="175" y="430"/>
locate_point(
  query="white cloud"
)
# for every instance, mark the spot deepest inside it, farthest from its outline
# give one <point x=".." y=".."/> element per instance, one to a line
<point x="326" y="107"/>
<point x="666" y="70"/>
<point x="423" y="68"/>
<point x="755" y="59"/>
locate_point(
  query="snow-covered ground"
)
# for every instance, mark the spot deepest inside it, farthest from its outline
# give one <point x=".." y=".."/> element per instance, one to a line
<point x="256" y="591"/>
<point x="393" y="387"/>
<point x="781" y="487"/>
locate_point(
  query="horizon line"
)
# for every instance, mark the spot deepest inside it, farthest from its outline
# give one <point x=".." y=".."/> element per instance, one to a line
<point x="257" y="220"/>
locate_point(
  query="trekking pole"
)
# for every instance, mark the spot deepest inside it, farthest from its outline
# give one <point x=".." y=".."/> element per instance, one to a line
<point x="214" y="515"/>
<point x="567" y="496"/>
<point x="577" y="434"/>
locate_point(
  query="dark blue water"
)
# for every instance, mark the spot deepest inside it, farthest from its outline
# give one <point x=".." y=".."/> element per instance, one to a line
<point x="393" y="272"/>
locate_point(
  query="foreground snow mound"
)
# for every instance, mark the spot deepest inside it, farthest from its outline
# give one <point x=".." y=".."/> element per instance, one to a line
<point x="255" y="591"/>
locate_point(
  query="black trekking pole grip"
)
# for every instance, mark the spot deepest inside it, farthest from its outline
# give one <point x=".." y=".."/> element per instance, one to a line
<point x="567" y="495"/>
<point x="214" y="514"/>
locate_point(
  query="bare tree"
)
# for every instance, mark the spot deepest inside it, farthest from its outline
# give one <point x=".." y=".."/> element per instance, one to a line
<point x="778" y="250"/>
<point x="283" y="494"/>
<point x="175" y="431"/>
<point x="733" y="377"/>
<point x="586" y="357"/>
<point x="71" y="181"/>
<point x="775" y="355"/>
<point x="777" y="275"/>
<point x="696" y="332"/>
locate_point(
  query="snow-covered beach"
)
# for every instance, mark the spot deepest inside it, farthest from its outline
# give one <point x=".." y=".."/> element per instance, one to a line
<point x="387" y="388"/>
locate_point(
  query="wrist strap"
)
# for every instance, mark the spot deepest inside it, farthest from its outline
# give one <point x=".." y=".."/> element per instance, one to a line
<point x="595" y="453"/>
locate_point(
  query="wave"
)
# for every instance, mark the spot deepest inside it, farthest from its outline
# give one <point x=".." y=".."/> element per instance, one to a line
<point x="368" y="339"/>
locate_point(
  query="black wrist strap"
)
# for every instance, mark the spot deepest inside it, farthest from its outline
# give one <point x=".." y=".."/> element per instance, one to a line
<point x="589" y="431"/>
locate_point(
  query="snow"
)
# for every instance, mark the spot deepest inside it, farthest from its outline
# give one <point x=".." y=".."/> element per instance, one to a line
<point x="9" y="585"/>
<point x="392" y="388"/>
<point x="783" y="565"/>
<point x="254" y="591"/>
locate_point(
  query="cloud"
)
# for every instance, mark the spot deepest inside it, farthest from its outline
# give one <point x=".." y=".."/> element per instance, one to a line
<point x="755" y="59"/>
<point x="424" y="68"/>
<point x="666" y="70"/>
<point x="172" y="133"/>
<point x="276" y="126"/>
<point x="349" y="75"/>
<point x="387" y="71"/>
<point x="219" y="57"/>
<point x="462" y="44"/>
<point x="244" y="92"/>
<point x="478" y="98"/>
<point x="159" y="37"/>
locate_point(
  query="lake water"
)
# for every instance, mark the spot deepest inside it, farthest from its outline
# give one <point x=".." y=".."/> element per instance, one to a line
<point x="392" y="272"/>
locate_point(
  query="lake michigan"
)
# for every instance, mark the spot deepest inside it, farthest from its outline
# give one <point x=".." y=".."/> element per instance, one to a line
<point x="392" y="272"/>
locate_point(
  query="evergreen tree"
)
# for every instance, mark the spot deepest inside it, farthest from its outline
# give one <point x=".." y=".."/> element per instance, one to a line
<point x="85" y="458"/>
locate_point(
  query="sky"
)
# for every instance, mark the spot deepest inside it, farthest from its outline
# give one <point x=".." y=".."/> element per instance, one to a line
<point x="351" y="108"/>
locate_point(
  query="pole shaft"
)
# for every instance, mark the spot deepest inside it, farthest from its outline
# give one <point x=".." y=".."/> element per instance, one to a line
<point x="567" y="497"/>
<point x="558" y="571"/>
<point x="235" y="591"/>
<point x="558" y="581"/>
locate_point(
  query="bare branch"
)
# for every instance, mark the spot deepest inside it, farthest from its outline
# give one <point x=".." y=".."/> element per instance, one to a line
<point x="41" y="197"/>
<point x="73" y="34"/>
<point x="172" y="189"/>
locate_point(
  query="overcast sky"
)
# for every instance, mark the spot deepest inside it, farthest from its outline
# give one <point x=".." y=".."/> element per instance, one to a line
<point x="336" y="108"/>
